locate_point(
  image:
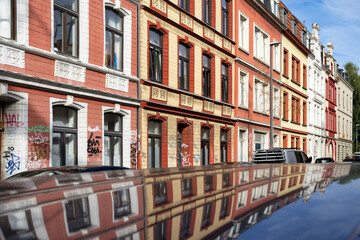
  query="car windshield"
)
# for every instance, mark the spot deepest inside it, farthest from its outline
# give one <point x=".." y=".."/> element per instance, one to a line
<point x="211" y="202"/>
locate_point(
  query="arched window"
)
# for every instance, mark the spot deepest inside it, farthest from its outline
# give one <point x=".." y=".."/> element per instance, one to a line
<point x="114" y="35"/>
<point x="64" y="139"/>
<point x="113" y="139"/>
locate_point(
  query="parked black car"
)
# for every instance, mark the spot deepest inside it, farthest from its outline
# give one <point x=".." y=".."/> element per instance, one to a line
<point x="280" y="155"/>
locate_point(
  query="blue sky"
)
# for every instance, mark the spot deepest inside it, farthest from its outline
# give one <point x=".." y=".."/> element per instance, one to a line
<point x="339" y="23"/>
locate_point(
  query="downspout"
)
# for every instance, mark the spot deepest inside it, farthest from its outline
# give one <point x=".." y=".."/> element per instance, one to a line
<point x="138" y="83"/>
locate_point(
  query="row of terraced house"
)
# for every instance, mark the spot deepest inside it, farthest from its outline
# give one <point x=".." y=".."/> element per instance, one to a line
<point x="164" y="83"/>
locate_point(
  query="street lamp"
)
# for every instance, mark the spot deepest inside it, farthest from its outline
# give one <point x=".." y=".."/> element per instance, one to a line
<point x="356" y="136"/>
<point x="271" y="95"/>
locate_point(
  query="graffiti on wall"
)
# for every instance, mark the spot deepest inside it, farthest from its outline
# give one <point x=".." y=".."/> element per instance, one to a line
<point x="185" y="156"/>
<point x="93" y="144"/>
<point x="12" y="163"/>
<point x="39" y="147"/>
<point x="13" y="120"/>
<point x="133" y="149"/>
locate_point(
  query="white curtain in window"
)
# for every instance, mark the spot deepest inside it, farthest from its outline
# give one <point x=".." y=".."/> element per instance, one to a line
<point x="5" y="18"/>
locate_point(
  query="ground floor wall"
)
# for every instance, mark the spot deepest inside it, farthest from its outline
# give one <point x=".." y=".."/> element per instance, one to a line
<point x="28" y="140"/>
<point x="170" y="140"/>
<point x="316" y="146"/>
<point x="344" y="148"/>
<point x="251" y="137"/>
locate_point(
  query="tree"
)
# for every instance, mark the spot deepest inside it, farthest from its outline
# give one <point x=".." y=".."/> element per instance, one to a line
<point x="352" y="72"/>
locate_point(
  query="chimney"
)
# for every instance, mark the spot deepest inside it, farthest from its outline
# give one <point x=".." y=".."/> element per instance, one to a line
<point x="330" y="48"/>
<point x="315" y="31"/>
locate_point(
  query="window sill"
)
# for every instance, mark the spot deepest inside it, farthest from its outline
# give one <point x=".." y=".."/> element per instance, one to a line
<point x="295" y="82"/>
<point x="276" y="70"/>
<point x="244" y="50"/>
<point x="262" y="113"/>
<point x="285" y="76"/>
<point x="305" y="88"/>
<point x="261" y="61"/>
<point x="295" y="123"/>
<point x="304" y="125"/>
<point x="286" y="120"/>
<point x="243" y="107"/>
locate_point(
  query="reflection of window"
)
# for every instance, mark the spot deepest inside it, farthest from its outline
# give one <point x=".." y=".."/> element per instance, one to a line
<point x="69" y="178"/>
<point x="226" y="179"/>
<point x="205" y="143"/>
<point x="122" y="204"/>
<point x="77" y="214"/>
<point x="259" y="192"/>
<point x="244" y="176"/>
<point x="66" y="24"/>
<point x="160" y="193"/>
<point x="114" y="36"/>
<point x="160" y="231"/>
<point x="185" y="225"/>
<point x="206" y="215"/>
<point x="113" y="139"/>
<point x="253" y="219"/>
<point x="64" y="139"/>
<point x="18" y="225"/>
<point x="208" y="183"/>
<point x="8" y="19"/>
<point x="186" y="187"/>
<point x="242" y="197"/>
<point x="224" y="207"/>
<point x="274" y="187"/>
<point x="155" y="56"/>
<point x="154" y="144"/>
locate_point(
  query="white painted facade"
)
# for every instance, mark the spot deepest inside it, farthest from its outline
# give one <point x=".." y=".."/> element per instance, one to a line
<point x="344" y="115"/>
<point x="316" y="101"/>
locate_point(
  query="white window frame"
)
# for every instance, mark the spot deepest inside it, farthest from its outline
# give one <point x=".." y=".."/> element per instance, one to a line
<point x="276" y="57"/>
<point x="243" y="32"/>
<point x="276" y="102"/>
<point x="243" y="99"/>
<point x="264" y="141"/>
<point x="259" y="192"/>
<point x="242" y="199"/>
<point x="261" y="106"/>
<point x="243" y="176"/>
<point x="261" y="44"/>
<point x="244" y="155"/>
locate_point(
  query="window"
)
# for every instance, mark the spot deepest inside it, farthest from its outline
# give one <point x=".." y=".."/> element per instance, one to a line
<point x="185" y="225"/>
<point x="154" y="144"/>
<point x="242" y="146"/>
<point x="160" y="193"/>
<point x="244" y="176"/>
<point x="66" y="27"/>
<point x="77" y="214"/>
<point x="160" y="231"/>
<point x="274" y="187"/>
<point x="224" y="82"/>
<point x="259" y="141"/>
<point x="185" y="4"/>
<point x="243" y="88"/>
<point x="243" y="32"/>
<point x="114" y="39"/>
<point x="294" y="27"/>
<point x="304" y="76"/>
<point x="261" y="45"/>
<point x="207" y="11"/>
<point x="186" y="187"/>
<point x="295" y="68"/>
<point x="226" y="179"/>
<point x="18" y="225"/>
<point x="225" y="17"/>
<point x="223" y="145"/>
<point x="261" y="96"/>
<point x="304" y="113"/>
<point x="205" y="144"/>
<point x="259" y="192"/>
<point x="284" y="15"/>
<point x="208" y="179"/>
<point x="206" y="76"/>
<point x="64" y="140"/>
<point x="206" y="216"/>
<point x="155" y="56"/>
<point x="224" y="207"/>
<point x="113" y="139"/>
<point x="184" y="53"/>
<point x="295" y="110"/>
<point x="242" y="197"/>
<point x="122" y="206"/>
<point x="8" y="19"/>
<point x="285" y="106"/>
<point x="286" y="59"/>
<point x="276" y="57"/>
<point x="276" y="104"/>
<point x="303" y="37"/>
